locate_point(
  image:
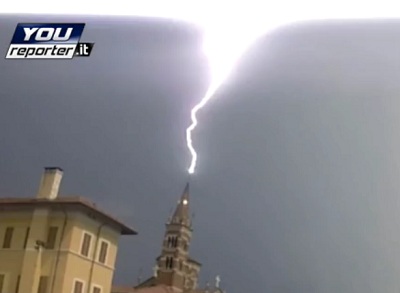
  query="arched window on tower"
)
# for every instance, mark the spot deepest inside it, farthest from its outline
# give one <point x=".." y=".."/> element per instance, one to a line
<point x="169" y="262"/>
<point x="172" y="241"/>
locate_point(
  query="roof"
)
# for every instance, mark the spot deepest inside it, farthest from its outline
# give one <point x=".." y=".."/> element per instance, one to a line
<point x="210" y="290"/>
<point x="122" y="289"/>
<point x="160" y="289"/>
<point x="66" y="202"/>
<point x="194" y="261"/>
<point x="152" y="281"/>
<point x="154" y="289"/>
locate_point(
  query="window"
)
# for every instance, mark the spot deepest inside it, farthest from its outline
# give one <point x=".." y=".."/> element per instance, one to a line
<point x="26" y="236"/>
<point x="17" y="285"/>
<point x="172" y="241"/>
<point x="169" y="262"/>
<point x="96" y="289"/>
<point x="51" y="237"/>
<point x="8" y="237"/>
<point x="2" y="277"/>
<point x="86" y="244"/>
<point x="42" y="284"/>
<point x="103" y="252"/>
<point x="78" y="287"/>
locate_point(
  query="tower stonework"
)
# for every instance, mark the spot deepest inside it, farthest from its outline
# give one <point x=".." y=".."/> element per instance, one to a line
<point x="175" y="271"/>
<point x="175" y="268"/>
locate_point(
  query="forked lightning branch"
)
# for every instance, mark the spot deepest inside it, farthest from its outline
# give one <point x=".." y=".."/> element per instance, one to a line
<point x="48" y="41"/>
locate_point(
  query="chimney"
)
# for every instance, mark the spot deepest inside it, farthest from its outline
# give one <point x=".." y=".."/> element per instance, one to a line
<point x="50" y="183"/>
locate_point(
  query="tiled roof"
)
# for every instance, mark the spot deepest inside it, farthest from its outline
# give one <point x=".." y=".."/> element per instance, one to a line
<point x="147" y="283"/>
<point x="122" y="289"/>
<point x="159" y="289"/>
<point x="69" y="202"/>
<point x="210" y="290"/>
<point x="155" y="289"/>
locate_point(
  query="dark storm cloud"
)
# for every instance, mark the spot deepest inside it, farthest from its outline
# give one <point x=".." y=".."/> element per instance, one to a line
<point x="297" y="182"/>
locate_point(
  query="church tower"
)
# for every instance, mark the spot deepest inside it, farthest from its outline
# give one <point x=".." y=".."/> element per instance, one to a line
<point x="174" y="266"/>
<point x="175" y="271"/>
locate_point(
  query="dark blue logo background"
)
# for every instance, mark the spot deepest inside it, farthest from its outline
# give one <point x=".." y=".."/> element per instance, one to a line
<point x="20" y="34"/>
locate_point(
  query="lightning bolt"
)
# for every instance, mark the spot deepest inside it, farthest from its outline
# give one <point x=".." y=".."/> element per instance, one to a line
<point x="222" y="60"/>
<point x="209" y="94"/>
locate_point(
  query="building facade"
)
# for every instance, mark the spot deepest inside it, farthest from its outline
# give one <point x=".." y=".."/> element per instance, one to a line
<point x="53" y="244"/>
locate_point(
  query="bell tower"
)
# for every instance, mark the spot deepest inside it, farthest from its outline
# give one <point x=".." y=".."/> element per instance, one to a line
<point x="175" y="268"/>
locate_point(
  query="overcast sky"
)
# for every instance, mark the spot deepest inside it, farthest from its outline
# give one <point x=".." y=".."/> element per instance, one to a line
<point x="298" y="179"/>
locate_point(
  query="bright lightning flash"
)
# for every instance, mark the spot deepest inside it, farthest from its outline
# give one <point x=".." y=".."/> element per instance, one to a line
<point x="210" y="92"/>
<point x="230" y="26"/>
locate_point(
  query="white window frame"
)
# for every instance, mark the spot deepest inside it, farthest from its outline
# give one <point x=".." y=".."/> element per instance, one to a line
<point x="96" y="286"/>
<point x="78" y="280"/>
<point x="99" y="250"/>
<point x="92" y="239"/>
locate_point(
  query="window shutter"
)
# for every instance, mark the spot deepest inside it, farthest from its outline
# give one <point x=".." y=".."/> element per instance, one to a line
<point x="103" y="252"/>
<point x="51" y="237"/>
<point x="43" y="284"/>
<point x="2" y="277"/>
<point x="86" y="244"/>
<point x="8" y="237"/>
<point x="78" y="287"/>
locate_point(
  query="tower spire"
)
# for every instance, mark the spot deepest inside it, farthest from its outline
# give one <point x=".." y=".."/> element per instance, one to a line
<point x="174" y="259"/>
<point x="181" y="214"/>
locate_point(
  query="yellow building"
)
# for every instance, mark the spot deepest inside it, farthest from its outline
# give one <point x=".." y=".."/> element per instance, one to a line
<point x="52" y="244"/>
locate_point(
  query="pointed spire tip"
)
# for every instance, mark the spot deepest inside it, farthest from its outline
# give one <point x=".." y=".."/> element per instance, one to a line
<point x="186" y="190"/>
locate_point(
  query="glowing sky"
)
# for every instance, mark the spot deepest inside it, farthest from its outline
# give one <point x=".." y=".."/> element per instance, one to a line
<point x="229" y="27"/>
